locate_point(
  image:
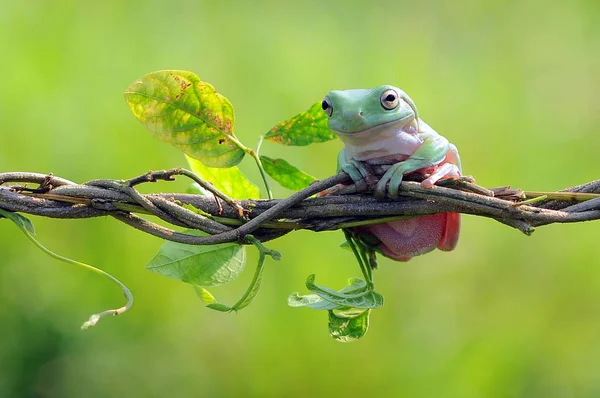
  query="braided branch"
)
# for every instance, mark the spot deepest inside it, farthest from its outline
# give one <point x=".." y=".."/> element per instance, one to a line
<point x="343" y="207"/>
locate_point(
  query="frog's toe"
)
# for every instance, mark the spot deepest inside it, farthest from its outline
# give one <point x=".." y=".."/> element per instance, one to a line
<point x="352" y="171"/>
<point x="358" y="172"/>
<point x="381" y="188"/>
<point x="363" y="168"/>
<point x="394" y="185"/>
<point x="361" y="185"/>
<point x="445" y="171"/>
<point x="389" y="184"/>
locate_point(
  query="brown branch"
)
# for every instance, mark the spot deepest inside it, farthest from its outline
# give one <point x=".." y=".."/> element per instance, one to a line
<point x="268" y="219"/>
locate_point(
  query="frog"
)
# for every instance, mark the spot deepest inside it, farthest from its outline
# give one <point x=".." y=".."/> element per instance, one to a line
<point x="381" y="126"/>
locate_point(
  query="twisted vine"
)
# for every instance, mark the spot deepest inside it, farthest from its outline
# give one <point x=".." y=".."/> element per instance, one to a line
<point x="233" y="221"/>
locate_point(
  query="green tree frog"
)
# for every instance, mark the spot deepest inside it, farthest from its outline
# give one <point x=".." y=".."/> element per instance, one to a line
<point x="382" y="126"/>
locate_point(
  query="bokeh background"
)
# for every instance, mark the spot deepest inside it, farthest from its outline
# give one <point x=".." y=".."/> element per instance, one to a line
<point x="512" y="83"/>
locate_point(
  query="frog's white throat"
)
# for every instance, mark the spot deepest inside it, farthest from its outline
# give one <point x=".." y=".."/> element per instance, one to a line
<point x="385" y="140"/>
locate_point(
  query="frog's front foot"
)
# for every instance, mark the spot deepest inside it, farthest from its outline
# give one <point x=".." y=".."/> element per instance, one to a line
<point x="359" y="172"/>
<point x="390" y="181"/>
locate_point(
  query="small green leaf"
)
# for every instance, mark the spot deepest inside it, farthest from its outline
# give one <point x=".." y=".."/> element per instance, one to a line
<point x="305" y="128"/>
<point x="250" y="292"/>
<point x="205" y="295"/>
<point x="285" y="174"/>
<point x="21" y="221"/>
<point x="364" y="299"/>
<point x="311" y="301"/>
<point x="220" y="307"/>
<point x="210" y="265"/>
<point x="355" y="286"/>
<point x="210" y="300"/>
<point x="348" y="329"/>
<point x="230" y="181"/>
<point x="178" y="108"/>
<point x="348" y="312"/>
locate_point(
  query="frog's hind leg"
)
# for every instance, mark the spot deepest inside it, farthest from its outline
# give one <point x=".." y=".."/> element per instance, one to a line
<point x="449" y="168"/>
<point x="451" y="232"/>
<point x="446" y="170"/>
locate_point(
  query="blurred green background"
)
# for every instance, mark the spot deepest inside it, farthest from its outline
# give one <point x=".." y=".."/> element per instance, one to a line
<point x="513" y="84"/>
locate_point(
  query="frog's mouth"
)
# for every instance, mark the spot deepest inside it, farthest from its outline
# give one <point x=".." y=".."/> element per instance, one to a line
<point x="380" y="132"/>
<point x="402" y="123"/>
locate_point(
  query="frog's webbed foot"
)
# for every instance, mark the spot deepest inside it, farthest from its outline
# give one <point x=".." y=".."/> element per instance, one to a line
<point x="390" y="181"/>
<point x="359" y="172"/>
<point x="446" y="170"/>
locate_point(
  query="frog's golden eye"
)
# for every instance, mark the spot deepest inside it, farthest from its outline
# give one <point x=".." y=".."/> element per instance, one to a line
<point x="327" y="107"/>
<point x="389" y="99"/>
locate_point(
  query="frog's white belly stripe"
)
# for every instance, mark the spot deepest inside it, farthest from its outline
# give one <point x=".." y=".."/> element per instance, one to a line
<point x="385" y="141"/>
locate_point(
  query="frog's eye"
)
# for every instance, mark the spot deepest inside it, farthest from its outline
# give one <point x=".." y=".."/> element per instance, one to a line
<point x="389" y="99"/>
<point x="327" y="107"/>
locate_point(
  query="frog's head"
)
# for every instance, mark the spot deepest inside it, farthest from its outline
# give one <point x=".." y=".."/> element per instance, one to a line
<point x="353" y="111"/>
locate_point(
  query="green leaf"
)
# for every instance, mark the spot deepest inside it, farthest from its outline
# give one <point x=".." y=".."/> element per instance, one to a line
<point x="180" y="109"/>
<point x="230" y="181"/>
<point x="205" y="295"/>
<point x="346" y="323"/>
<point x="285" y="174"/>
<point x="220" y="307"/>
<point x="210" y="265"/>
<point x="21" y="221"/>
<point x="250" y="292"/>
<point x="364" y="299"/>
<point x="355" y="285"/>
<point x="305" y="128"/>
<point x="210" y="300"/>
<point x="349" y="312"/>
<point x="311" y="301"/>
<point x="348" y="329"/>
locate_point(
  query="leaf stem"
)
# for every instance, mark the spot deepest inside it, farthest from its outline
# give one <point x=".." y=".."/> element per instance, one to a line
<point x="363" y="267"/>
<point x="263" y="174"/>
<point x="253" y="287"/>
<point x="263" y="249"/>
<point x="254" y="155"/>
<point x="368" y="268"/>
<point x="93" y="320"/>
<point x="574" y="196"/>
<point x="532" y="200"/>
<point x="257" y="278"/>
